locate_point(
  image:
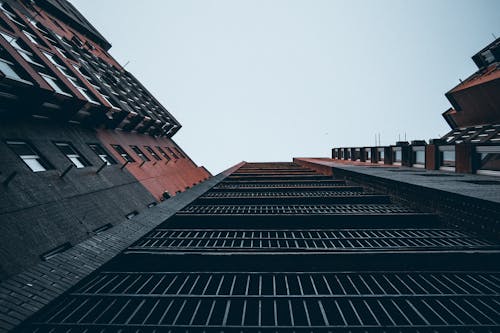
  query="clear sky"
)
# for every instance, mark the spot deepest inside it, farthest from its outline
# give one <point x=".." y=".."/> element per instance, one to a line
<point x="267" y="80"/>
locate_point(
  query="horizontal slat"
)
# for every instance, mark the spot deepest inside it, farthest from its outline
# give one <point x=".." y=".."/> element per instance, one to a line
<point x="368" y="209"/>
<point x="280" y="300"/>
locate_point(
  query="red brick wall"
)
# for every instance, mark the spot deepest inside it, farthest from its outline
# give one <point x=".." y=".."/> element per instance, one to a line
<point x="156" y="176"/>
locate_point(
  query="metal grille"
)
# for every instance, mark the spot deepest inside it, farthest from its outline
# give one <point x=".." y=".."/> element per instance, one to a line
<point x="341" y="209"/>
<point x="270" y="301"/>
<point x="256" y="172"/>
<point x="276" y="185"/>
<point x="273" y="177"/>
<point x="316" y="240"/>
<point x="284" y="187"/>
<point x="304" y="194"/>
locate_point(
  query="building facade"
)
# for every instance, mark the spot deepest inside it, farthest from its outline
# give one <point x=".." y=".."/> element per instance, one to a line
<point x="84" y="145"/>
<point x="279" y="247"/>
<point x="473" y="143"/>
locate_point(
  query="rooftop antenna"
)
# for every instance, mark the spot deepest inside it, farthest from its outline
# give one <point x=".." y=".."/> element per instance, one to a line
<point x="494" y="37"/>
<point x="128" y="62"/>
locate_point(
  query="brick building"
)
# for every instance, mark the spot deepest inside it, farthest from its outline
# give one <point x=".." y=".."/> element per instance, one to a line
<point x="83" y="144"/>
<point x="374" y="239"/>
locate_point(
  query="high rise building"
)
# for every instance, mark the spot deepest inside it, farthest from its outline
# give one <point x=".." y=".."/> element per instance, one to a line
<point x="278" y="247"/>
<point x="374" y="239"/>
<point x="83" y="144"/>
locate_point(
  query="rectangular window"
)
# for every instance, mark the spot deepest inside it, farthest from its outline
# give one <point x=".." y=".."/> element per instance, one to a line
<point x="489" y="157"/>
<point x="181" y="154"/>
<point x="152" y="152"/>
<point x="163" y="153"/>
<point x="447" y="158"/>
<point x="119" y="149"/>
<point x="72" y="154"/>
<point x="7" y="68"/>
<point x="54" y="83"/>
<point x="139" y="153"/>
<point x="418" y="156"/>
<point x="102" y="153"/>
<point x="172" y="152"/>
<point x="29" y="155"/>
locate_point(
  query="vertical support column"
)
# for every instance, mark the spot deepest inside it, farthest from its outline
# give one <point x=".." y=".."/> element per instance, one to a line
<point x="406" y="156"/>
<point x="432" y="155"/>
<point x="387" y="155"/>
<point x="465" y="161"/>
<point x="346" y="154"/>
<point x="374" y="151"/>
<point x="362" y="154"/>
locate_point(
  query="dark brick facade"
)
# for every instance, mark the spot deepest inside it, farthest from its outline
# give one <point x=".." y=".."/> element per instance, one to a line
<point x="46" y="211"/>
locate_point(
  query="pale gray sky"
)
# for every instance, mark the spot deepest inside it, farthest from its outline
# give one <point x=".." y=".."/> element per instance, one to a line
<point x="267" y="80"/>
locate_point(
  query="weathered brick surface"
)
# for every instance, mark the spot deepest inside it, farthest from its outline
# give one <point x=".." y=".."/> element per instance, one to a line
<point x="25" y="293"/>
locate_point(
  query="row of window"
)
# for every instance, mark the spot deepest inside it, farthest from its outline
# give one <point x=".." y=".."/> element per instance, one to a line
<point x="126" y="156"/>
<point x="120" y="89"/>
<point x="36" y="162"/>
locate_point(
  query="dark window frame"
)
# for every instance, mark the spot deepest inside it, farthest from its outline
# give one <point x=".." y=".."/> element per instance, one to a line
<point x="108" y="158"/>
<point x="172" y="152"/>
<point x="163" y="153"/>
<point x="44" y="162"/>
<point x="152" y="153"/>
<point x="123" y="153"/>
<point x="77" y="155"/>
<point x="139" y="153"/>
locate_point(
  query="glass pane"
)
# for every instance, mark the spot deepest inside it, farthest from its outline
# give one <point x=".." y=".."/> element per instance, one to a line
<point x="420" y="157"/>
<point x="54" y="84"/>
<point x="448" y="158"/>
<point x="21" y="148"/>
<point x="76" y="161"/>
<point x="8" y="71"/>
<point x="33" y="163"/>
<point x="397" y="155"/>
<point x="490" y="161"/>
<point x="66" y="149"/>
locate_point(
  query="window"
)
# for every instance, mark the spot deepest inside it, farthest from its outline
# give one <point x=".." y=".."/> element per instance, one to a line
<point x="22" y="49"/>
<point x="71" y="78"/>
<point x="7" y="68"/>
<point x="139" y="153"/>
<point x="54" y="84"/>
<point x="119" y="149"/>
<point x="29" y="155"/>
<point x="33" y="38"/>
<point x="162" y="152"/>
<point x="180" y="152"/>
<point x="172" y="152"/>
<point x="103" y="154"/>
<point x="489" y="157"/>
<point x="419" y="156"/>
<point x="72" y="154"/>
<point x="447" y="158"/>
<point x="152" y="152"/>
